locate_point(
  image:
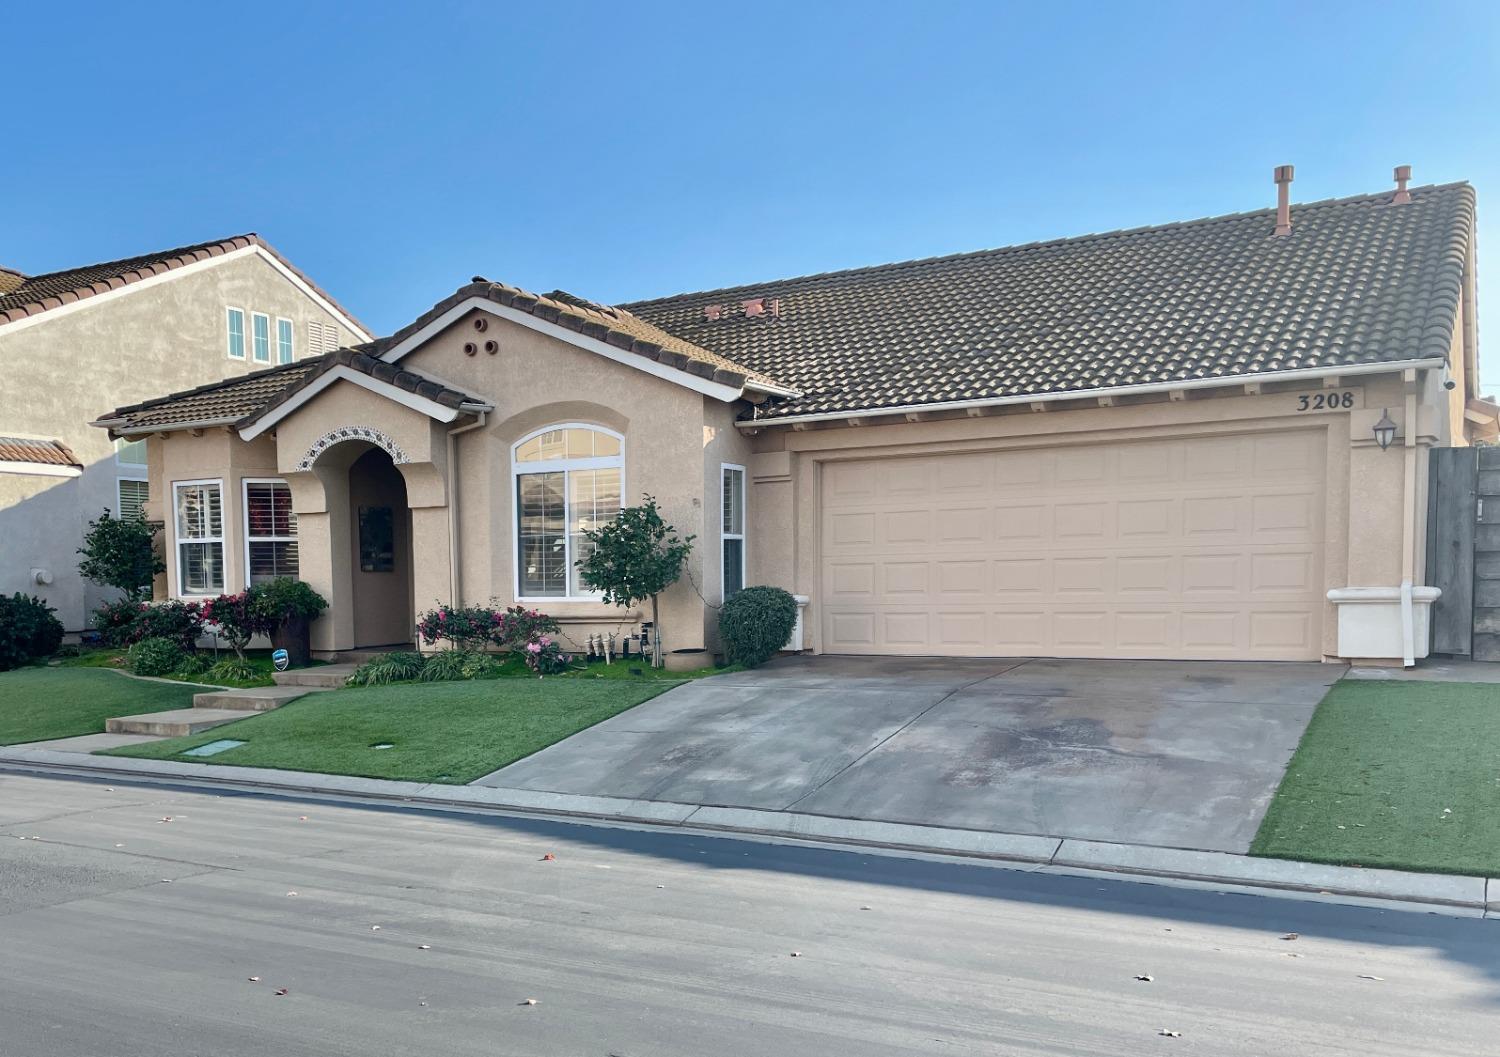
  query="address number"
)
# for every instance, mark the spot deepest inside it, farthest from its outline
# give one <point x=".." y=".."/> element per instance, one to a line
<point x="1325" y="401"/>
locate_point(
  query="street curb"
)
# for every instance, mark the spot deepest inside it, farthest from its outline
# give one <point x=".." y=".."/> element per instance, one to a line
<point x="1127" y="861"/>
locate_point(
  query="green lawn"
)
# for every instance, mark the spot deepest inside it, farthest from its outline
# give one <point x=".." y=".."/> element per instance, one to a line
<point x="440" y="732"/>
<point x="37" y="704"/>
<point x="1394" y="774"/>
<point x="108" y="657"/>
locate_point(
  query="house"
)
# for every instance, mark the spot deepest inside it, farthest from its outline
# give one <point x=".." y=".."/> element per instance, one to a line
<point x="76" y="340"/>
<point x="1200" y="440"/>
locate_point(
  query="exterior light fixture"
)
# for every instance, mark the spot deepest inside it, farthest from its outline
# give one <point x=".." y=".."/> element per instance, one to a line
<point x="1385" y="429"/>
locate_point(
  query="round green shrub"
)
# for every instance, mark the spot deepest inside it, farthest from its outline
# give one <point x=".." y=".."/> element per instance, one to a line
<point x="155" y="656"/>
<point x="28" y="630"/>
<point x="755" y="624"/>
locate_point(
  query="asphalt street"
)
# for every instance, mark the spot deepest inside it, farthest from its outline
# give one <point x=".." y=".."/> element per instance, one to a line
<point x="138" y="921"/>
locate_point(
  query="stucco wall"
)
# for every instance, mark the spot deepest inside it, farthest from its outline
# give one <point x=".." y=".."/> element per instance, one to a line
<point x="62" y="372"/>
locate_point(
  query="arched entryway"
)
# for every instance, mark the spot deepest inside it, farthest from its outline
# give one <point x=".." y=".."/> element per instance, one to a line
<point x="380" y="551"/>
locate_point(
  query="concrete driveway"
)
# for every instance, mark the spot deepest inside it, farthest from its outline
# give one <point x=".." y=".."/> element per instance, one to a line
<point x="1181" y="754"/>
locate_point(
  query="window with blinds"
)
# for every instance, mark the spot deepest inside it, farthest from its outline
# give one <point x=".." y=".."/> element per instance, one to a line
<point x="133" y="496"/>
<point x="199" y="513"/>
<point x="270" y="532"/>
<point x="732" y="528"/>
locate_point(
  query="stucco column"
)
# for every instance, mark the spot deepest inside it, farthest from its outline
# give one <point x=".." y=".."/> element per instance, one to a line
<point x="320" y="499"/>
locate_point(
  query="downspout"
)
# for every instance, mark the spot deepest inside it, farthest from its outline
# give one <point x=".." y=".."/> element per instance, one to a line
<point x="1408" y="522"/>
<point x="453" y="563"/>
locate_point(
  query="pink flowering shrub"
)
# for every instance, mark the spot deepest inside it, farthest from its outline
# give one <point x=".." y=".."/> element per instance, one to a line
<point x="545" y="657"/>
<point x="472" y="628"/>
<point x="238" y="619"/>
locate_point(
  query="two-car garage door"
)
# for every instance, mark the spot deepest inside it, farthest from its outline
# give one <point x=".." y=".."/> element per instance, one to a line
<point x="1207" y="547"/>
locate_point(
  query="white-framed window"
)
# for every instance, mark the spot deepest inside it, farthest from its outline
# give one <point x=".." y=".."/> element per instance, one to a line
<point x="270" y="530"/>
<point x="284" y="341"/>
<point x="199" y="511"/>
<point x="130" y="454"/>
<point x="236" y="318"/>
<point x="568" y="479"/>
<point x="732" y="528"/>
<point x="133" y="493"/>
<point x="260" y="337"/>
<point x="131" y="490"/>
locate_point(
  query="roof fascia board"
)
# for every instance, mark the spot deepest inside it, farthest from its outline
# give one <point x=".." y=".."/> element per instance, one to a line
<point x="167" y="427"/>
<point x="430" y="408"/>
<point x="40" y="469"/>
<point x="717" y="390"/>
<point x="1235" y="381"/>
<point x="127" y="288"/>
<point x="321" y="301"/>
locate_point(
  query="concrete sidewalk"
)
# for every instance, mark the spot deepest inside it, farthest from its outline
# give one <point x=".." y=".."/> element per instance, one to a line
<point x="1465" y="896"/>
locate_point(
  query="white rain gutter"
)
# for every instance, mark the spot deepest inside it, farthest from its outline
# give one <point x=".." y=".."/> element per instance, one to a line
<point x="1302" y="374"/>
<point x="483" y="410"/>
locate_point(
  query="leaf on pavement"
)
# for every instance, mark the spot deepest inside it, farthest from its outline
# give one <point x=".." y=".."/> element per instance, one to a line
<point x="1291" y="936"/>
<point x="1170" y="1033"/>
<point x="1145" y="978"/>
<point x="281" y="991"/>
<point x="527" y="1002"/>
<point x="1367" y="976"/>
<point x="549" y="857"/>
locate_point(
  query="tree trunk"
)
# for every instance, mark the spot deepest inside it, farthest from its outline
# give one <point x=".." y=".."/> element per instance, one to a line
<point x="656" y="659"/>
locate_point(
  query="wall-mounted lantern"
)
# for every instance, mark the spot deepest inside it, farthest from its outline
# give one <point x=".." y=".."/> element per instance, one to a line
<point x="1385" y="430"/>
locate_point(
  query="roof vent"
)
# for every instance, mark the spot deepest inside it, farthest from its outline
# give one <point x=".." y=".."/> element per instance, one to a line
<point x="712" y="312"/>
<point x="756" y="306"/>
<point x="1283" y="199"/>
<point x="1402" y="195"/>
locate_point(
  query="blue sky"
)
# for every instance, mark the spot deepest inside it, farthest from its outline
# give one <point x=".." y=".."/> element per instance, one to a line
<point x="626" y="150"/>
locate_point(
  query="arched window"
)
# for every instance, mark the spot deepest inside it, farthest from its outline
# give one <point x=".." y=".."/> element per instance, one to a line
<point x="568" y="479"/>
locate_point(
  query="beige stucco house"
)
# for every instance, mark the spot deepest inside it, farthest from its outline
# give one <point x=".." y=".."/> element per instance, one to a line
<point x="84" y="338"/>
<point x="1165" y="442"/>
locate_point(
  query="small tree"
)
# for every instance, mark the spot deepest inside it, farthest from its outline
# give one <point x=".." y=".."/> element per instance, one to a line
<point x="635" y="557"/>
<point x="120" y="552"/>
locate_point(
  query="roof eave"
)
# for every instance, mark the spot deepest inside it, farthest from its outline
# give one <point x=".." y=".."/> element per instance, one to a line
<point x="1309" y="373"/>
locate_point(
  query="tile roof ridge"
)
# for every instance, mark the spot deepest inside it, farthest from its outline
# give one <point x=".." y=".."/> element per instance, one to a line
<point x="755" y="287"/>
<point x="166" y="254"/>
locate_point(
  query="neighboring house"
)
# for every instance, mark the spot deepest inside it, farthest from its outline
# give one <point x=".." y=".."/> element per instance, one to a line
<point x="77" y="340"/>
<point x="1163" y="442"/>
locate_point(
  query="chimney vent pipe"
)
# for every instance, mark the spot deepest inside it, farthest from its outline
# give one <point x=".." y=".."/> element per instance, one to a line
<point x="1402" y="195"/>
<point x="1283" y="177"/>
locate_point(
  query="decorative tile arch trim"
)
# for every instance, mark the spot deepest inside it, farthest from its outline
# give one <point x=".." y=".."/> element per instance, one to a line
<point x="364" y="433"/>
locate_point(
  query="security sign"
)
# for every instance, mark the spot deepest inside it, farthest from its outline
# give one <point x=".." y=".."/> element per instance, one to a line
<point x="281" y="660"/>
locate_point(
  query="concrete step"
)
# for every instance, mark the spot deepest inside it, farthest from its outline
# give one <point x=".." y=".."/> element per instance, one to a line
<point x="174" y="724"/>
<point x="363" y="656"/>
<point x="256" y="699"/>
<point x="328" y="676"/>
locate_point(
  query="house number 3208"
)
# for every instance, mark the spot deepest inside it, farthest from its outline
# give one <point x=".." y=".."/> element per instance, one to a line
<point x="1325" y="401"/>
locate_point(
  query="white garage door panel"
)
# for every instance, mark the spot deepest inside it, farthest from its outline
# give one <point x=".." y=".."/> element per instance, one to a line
<point x="1205" y="547"/>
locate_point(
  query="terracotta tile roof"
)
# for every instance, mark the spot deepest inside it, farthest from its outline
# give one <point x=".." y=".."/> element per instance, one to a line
<point x="48" y="452"/>
<point x="1356" y="282"/>
<point x="10" y="279"/>
<point x="240" y="401"/>
<point x="35" y="294"/>
<point x="612" y="325"/>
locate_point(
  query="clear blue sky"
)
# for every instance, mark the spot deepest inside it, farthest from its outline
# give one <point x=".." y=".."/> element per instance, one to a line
<point x="625" y="150"/>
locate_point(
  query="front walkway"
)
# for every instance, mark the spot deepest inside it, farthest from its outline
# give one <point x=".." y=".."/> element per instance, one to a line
<point x="1170" y="754"/>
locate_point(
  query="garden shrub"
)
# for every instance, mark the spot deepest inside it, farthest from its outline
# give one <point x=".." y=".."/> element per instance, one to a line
<point x="755" y="624"/>
<point x="282" y="599"/>
<point x="232" y="670"/>
<point x="388" y="668"/>
<point x="28" y="630"/>
<point x="121" y="553"/>
<point x="469" y="628"/>
<point x="545" y="657"/>
<point x="192" y="666"/>
<point x="115" y="622"/>
<point x="155" y="656"/>
<point x="238" y="618"/>
<point x="182" y="622"/>
<point x="447" y="665"/>
<point x="519" y="626"/>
